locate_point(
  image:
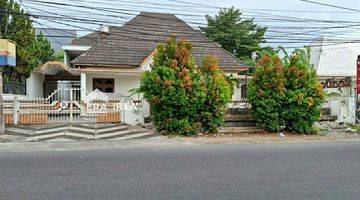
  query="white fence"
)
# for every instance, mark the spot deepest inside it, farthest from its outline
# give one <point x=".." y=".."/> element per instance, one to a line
<point x="65" y="105"/>
<point x="342" y="107"/>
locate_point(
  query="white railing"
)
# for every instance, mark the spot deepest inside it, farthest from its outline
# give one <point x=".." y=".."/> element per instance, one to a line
<point x="65" y="106"/>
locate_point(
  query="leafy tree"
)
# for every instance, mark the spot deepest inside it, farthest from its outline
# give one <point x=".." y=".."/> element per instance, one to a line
<point x="285" y="94"/>
<point x="174" y="89"/>
<point x="239" y="36"/>
<point x="38" y="52"/>
<point x="59" y="56"/>
<point x="219" y="93"/>
<point x="31" y="50"/>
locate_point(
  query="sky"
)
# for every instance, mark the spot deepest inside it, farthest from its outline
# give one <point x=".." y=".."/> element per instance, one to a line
<point x="293" y="22"/>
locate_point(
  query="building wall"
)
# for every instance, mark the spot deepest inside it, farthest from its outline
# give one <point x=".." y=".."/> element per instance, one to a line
<point x="34" y="85"/>
<point x="342" y="104"/>
<point x="123" y="83"/>
<point x="239" y="87"/>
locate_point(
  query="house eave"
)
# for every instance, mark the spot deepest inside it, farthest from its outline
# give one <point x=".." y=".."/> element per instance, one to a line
<point x="76" y="47"/>
<point x="81" y="65"/>
<point x="234" y="69"/>
<point x="106" y="69"/>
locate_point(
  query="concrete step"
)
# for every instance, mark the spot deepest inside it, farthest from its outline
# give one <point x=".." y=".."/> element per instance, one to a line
<point x="112" y="129"/>
<point x="75" y="132"/>
<point x="51" y="130"/>
<point x="17" y="134"/>
<point x="59" y="138"/>
<point x="80" y="129"/>
<point x="19" y="131"/>
<point x="139" y="135"/>
<point x="240" y="130"/>
<point x="46" y="136"/>
<point x="118" y="134"/>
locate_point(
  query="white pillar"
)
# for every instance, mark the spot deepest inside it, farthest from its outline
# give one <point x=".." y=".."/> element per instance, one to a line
<point x="66" y="59"/>
<point x="83" y="85"/>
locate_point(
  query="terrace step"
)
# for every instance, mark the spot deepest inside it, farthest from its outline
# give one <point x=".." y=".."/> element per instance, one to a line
<point x="76" y="132"/>
<point x="240" y="130"/>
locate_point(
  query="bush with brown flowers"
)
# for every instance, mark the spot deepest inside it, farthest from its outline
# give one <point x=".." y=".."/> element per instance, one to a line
<point x="184" y="98"/>
<point x="285" y="94"/>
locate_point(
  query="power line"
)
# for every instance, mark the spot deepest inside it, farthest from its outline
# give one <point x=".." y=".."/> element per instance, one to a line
<point x="330" y="5"/>
<point x="139" y="32"/>
<point x="277" y="19"/>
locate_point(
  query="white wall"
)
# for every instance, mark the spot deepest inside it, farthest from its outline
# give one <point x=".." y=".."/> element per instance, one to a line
<point x="237" y="91"/>
<point x="342" y="105"/>
<point x="34" y="85"/>
<point x="146" y="65"/>
<point x="123" y="82"/>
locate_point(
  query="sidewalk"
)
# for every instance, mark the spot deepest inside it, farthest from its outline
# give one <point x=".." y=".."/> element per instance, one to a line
<point x="87" y="145"/>
<point x="169" y="142"/>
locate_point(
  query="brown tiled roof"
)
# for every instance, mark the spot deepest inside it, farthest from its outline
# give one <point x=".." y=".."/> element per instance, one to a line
<point x="131" y="43"/>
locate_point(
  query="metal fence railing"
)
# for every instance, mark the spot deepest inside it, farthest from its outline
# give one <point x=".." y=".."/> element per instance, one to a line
<point x="66" y="105"/>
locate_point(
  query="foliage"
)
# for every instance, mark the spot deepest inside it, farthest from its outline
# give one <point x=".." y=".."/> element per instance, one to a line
<point x="285" y="94"/>
<point x="183" y="98"/>
<point x="219" y="93"/>
<point x="40" y="52"/>
<point x="241" y="37"/>
<point x="59" y="56"/>
<point x="174" y="89"/>
<point x="31" y="50"/>
<point x="354" y="127"/>
<point x="266" y="92"/>
<point x="304" y="94"/>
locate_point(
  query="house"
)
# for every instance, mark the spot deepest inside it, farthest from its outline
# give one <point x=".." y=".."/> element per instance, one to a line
<point x="112" y="59"/>
<point x="335" y="66"/>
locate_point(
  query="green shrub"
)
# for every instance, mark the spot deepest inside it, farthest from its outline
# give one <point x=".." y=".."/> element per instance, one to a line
<point x="266" y="92"/>
<point x="185" y="99"/>
<point x="218" y="95"/>
<point x="285" y="94"/>
<point x="304" y="94"/>
<point x="175" y="89"/>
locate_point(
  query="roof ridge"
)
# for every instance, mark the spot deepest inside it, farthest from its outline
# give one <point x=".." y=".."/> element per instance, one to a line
<point x="156" y="13"/>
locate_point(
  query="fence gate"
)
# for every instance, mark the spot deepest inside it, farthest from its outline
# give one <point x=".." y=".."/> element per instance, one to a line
<point x="64" y="105"/>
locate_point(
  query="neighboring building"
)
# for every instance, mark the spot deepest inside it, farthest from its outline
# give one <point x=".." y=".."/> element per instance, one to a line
<point x="113" y="59"/>
<point x="57" y="37"/>
<point x="336" y="68"/>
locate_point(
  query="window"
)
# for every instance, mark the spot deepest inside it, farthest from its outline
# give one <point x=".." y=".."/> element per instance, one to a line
<point x="104" y="84"/>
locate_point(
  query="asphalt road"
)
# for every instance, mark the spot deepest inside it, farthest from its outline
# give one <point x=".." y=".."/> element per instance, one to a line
<point x="303" y="171"/>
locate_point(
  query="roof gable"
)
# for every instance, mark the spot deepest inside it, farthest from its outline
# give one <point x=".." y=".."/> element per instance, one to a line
<point x="131" y="43"/>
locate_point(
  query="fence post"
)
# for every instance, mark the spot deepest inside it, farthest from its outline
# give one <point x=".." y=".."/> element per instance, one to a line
<point x="71" y="105"/>
<point x="16" y="107"/>
<point x="142" y="112"/>
<point x="122" y="110"/>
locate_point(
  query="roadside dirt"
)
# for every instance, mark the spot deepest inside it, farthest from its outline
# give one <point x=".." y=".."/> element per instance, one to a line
<point x="264" y="138"/>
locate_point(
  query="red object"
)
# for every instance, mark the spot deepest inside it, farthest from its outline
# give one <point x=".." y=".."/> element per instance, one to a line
<point x="358" y="75"/>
